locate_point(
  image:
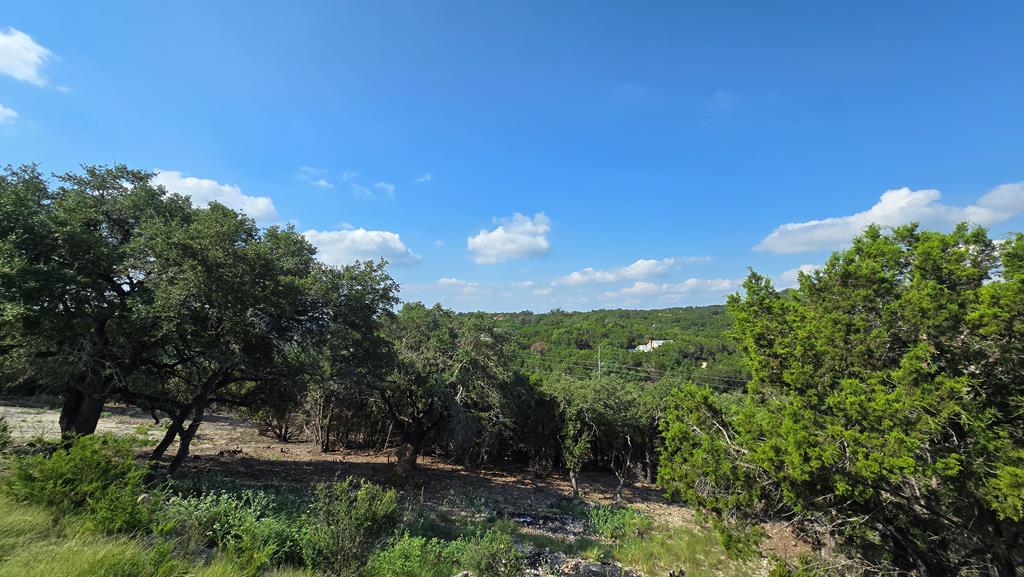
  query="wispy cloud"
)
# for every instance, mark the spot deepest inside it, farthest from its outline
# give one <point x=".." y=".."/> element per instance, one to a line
<point x="515" y="237"/>
<point x="895" y="207"/>
<point x="425" y="178"/>
<point x="385" y="188"/>
<point x="22" y="58"/>
<point x="380" y="189"/>
<point x="315" y="176"/>
<point x="204" y="191"/>
<point x="7" y="114"/>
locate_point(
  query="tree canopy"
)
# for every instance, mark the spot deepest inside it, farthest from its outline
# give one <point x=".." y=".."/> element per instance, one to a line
<point x="885" y="404"/>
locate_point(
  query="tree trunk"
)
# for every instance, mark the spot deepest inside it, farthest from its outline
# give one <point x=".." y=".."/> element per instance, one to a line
<point x="172" y="431"/>
<point x="405" y="463"/>
<point x="69" y="411"/>
<point x="80" y="413"/>
<point x="575" y="486"/>
<point x="185" y="441"/>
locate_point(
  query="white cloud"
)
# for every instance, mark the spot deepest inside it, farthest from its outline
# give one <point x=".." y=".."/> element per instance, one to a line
<point x="449" y="281"/>
<point x="340" y="247"/>
<point x="204" y="191"/>
<point x="717" y="286"/>
<point x="21" y="58"/>
<point x="543" y="291"/>
<point x="377" y="190"/>
<point x="386" y="188"/>
<point x="7" y="114"/>
<point x="895" y="207"/>
<point x="640" y="269"/>
<point x="791" y="277"/>
<point x="515" y="237"/>
<point x="466" y="288"/>
<point x="425" y="178"/>
<point x="315" y="176"/>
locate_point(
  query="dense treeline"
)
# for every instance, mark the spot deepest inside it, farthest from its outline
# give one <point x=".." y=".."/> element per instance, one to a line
<point x="880" y="403"/>
<point x="886" y="406"/>
<point x="576" y="343"/>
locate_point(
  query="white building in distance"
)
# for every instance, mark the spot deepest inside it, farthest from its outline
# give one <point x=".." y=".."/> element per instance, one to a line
<point x="650" y="346"/>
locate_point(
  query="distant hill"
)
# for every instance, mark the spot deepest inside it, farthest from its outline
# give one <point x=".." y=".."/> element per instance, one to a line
<point x="573" y="341"/>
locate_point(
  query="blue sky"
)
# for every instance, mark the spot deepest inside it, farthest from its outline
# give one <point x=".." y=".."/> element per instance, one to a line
<point x="532" y="155"/>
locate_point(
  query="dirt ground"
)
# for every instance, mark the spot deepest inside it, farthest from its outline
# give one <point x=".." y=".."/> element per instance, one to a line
<point x="230" y="446"/>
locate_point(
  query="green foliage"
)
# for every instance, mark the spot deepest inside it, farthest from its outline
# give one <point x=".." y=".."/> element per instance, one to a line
<point x="5" y="434"/>
<point x="89" y="556"/>
<point x="740" y="540"/>
<point x="251" y="526"/>
<point x="491" y="554"/>
<point x="804" y="567"/>
<point x="21" y="523"/>
<point x="413" y="557"/>
<point x="885" y="404"/>
<point x="616" y="522"/>
<point x="699" y="552"/>
<point x="95" y="476"/>
<point x="345" y="523"/>
<point x="451" y="374"/>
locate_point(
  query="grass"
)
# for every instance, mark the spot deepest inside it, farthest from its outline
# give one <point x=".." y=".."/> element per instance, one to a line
<point x="32" y="545"/>
<point x="21" y="525"/>
<point x="665" y="549"/>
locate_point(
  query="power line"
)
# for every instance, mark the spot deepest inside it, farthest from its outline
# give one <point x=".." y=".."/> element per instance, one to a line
<point x="572" y="362"/>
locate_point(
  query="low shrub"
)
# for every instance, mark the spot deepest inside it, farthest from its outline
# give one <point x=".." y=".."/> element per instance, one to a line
<point x="614" y="522"/>
<point x="740" y="540"/>
<point x="490" y="554"/>
<point x="345" y="523"/>
<point x="5" y="434"/>
<point x="413" y="557"/>
<point x="251" y="526"/>
<point x="95" y="476"/>
<point x="805" y="566"/>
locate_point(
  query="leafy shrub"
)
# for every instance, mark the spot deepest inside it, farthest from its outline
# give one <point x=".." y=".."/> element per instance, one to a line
<point x="413" y="557"/>
<point x="805" y="566"/>
<point x="252" y="526"/>
<point x="740" y="540"/>
<point x="345" y="522"/>
<point x="491" y="554"/>
<point x="613" y="522"/>
<point x="95" y="476"/>
<point x="5" y="434"/>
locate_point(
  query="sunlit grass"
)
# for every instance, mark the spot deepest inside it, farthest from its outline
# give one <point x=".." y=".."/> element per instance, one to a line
<point x="21" y="525"/>
<point x="698" y="551"/>
<point x="31" y="545"/>
<point x="84" y="556"/>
